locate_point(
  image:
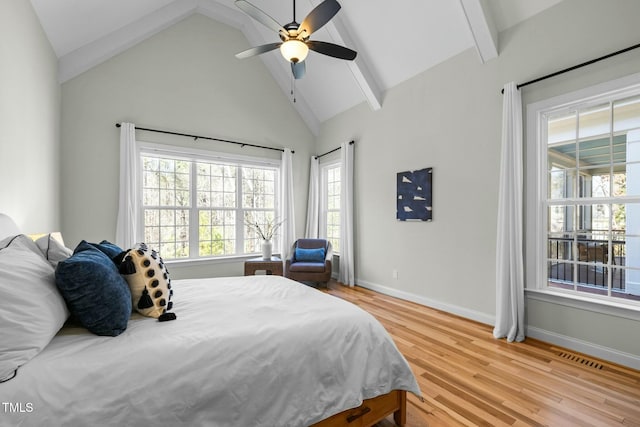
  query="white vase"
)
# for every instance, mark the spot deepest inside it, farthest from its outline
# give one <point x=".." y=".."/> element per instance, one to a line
<point x="266" y="249"/>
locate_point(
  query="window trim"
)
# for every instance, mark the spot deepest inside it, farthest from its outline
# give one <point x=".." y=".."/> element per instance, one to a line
<point x="194" y="155"/>
<point x="535" y="196"/>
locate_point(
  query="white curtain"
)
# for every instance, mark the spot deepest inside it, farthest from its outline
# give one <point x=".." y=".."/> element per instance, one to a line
<point x="128" y="202"/>
<point x="287" y="211"/>
<point x="313" y="208"/>
<point x="509" y="254"/>
<point x="346" y="273"/>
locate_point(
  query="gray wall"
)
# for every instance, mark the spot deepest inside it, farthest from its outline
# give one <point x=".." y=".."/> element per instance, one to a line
<point x="185" y="79"/>
<point x="29" y="121"/>
<point x="449" y="118"/>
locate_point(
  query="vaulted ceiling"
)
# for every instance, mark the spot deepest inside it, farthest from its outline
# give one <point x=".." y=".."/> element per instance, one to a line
<point x="395" y="40"/>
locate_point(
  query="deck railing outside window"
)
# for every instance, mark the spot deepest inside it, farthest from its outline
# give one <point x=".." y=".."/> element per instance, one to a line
<point x="586" y="260"/>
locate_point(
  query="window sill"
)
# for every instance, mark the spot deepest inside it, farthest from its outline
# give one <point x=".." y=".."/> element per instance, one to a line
<point x="597" y="305"/>
<point x="213" y="260"/>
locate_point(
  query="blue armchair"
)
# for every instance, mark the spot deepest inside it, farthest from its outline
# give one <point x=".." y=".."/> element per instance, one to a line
<point x="310" y="261"/>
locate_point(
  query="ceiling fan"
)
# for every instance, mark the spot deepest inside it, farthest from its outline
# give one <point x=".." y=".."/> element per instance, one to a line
<point x="295" y="42"/>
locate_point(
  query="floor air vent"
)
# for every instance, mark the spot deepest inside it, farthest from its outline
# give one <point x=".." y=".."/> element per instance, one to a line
<point x="581" y="360"/>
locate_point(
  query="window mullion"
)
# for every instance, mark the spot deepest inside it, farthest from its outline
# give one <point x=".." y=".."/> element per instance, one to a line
<point x="194" y="220"/>
<point x="240" y="247"/>
<point x="607" y="267"/>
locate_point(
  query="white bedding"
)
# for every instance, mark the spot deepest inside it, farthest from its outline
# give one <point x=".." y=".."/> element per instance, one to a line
<point x="244" y="351"/>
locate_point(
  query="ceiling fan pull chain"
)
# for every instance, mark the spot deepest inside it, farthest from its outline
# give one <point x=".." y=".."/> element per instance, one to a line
<point x="293" y="88"/>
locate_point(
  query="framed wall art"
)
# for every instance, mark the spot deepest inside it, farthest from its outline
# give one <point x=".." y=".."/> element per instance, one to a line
<point x="414" y="195"/>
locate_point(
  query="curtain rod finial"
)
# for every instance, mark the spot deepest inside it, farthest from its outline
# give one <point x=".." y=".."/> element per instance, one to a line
<point x="118" y="125"/>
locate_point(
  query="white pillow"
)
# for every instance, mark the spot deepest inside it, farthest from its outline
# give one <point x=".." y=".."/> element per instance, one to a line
<point x="53" y="249"/>
<point x="32" y="310"/>
<point x="7" y="226"/>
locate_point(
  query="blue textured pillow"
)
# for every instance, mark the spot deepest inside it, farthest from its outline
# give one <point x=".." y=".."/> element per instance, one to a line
<point x="109" y="249"/>
<point x="94" y="291"/>
<point x="310" y="255"/>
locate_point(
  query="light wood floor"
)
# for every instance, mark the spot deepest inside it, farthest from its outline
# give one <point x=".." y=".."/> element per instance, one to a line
<point x="468" y="378"/>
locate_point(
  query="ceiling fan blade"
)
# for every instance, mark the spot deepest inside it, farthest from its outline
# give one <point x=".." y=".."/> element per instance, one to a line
<point x="258" y="50"/>
<point x="298" y="69"/>
<point x="260" y="16"/>
<point x="319" y="16"/>
<point x="331" y="49"/>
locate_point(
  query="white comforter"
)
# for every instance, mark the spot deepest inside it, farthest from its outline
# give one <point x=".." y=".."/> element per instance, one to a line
<point x="244" y="351"/>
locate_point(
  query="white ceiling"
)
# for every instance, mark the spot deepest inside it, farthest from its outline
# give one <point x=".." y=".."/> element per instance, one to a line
<point x="395" y="40"/>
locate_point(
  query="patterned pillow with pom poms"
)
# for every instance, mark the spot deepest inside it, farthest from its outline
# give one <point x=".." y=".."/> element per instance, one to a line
<point x="149" y="282"/>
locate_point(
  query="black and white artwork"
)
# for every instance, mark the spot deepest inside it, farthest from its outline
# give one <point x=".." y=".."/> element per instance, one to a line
<point x="414" y="195"/>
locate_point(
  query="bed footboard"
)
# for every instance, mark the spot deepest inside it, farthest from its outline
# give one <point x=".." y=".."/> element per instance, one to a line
<point x="371" y="411"/>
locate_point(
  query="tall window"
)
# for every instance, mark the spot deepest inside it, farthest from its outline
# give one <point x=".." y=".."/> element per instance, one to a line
<point x="589" y="194"/>
<point x="197" y="207"/>
<point x="330" y="205"/>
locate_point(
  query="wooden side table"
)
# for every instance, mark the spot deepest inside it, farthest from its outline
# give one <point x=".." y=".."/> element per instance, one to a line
<point x="272" y="266"/>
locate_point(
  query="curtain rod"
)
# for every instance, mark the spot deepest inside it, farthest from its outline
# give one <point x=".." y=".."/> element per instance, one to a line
<point x="334" y="150"/>
<point x="584" y="64"/>
<point x="196" y="137"/>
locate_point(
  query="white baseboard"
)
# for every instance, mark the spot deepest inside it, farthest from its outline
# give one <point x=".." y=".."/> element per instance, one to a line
<point x="438" y="305"/>
<point x="588" y="348"/>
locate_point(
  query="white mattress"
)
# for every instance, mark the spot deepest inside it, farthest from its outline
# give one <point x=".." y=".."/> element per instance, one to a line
<point x="244" y="351"/>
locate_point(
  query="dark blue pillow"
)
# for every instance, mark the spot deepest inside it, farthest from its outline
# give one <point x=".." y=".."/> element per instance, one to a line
<point x="109" y="249"/>
<point x="94" y="291"/>
<point x="310" y="255"/>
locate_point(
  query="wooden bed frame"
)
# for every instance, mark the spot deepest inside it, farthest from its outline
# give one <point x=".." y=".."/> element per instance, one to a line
<point x="371" y="411"/>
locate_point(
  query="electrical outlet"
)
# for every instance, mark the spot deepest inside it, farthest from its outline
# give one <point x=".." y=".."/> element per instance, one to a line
<point x="394" y="273"/>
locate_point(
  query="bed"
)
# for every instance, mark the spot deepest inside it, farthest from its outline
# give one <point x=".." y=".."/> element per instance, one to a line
<point x="243" y="351"/>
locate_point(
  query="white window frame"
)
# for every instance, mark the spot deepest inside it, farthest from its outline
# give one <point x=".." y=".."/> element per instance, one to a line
<point x="535" y="198"/>
<point x="324" y="194"/>
<point x="194" y="155"/>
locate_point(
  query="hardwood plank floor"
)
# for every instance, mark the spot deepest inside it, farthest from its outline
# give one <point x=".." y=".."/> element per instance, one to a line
<point x="468" y="378"/>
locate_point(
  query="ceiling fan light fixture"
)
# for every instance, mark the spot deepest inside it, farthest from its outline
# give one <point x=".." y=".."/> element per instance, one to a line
<point x="294" y="50"/>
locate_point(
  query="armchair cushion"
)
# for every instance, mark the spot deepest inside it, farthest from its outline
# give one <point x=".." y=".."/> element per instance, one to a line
<point x="308" y="267"/>
<point x="310" y="255"/>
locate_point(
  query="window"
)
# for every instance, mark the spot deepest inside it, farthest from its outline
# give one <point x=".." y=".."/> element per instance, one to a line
<point x="196" y="205"/>
<point x="584" y="234"/>
<point x="330" y="205"/>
